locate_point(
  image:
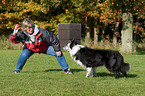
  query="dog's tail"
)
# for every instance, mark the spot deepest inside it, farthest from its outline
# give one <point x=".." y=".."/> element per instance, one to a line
<point x="125" y="67"/>
<point x="120" y="64"/>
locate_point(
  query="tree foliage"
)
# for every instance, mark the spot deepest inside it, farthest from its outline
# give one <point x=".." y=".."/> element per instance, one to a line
<point x="102" y="14"/>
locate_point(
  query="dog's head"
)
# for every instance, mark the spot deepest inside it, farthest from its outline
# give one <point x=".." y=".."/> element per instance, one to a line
<point x="70" y="45"/>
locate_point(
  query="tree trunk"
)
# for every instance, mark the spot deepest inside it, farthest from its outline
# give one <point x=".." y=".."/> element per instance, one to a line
<point x="87" y="37"/>
<point x="115" y="34"/>
<point x="127" y="32"/>
<point x="96" y="30"/>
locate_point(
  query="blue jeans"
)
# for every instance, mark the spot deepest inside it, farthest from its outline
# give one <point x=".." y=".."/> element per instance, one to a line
<point x="26" y="53"/>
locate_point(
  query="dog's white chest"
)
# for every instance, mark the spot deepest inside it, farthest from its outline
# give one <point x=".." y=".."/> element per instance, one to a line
<point x="79" y="62"/>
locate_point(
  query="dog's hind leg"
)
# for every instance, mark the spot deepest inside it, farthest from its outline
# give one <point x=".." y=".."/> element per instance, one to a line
<point x="117" y="75"/>
<point x="89" y="69"/>
<point x="124" y="74"/>
<point x="93" y="71"/>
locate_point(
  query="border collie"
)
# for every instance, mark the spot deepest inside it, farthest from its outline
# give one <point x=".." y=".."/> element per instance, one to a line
<point x="93" y="58"/>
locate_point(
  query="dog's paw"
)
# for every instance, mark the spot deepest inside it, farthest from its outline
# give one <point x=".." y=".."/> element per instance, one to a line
<point x="87" y="76"/>
<point x="92" y="75"/>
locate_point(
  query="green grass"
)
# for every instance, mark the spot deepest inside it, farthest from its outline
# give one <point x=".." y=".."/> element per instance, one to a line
<point x="42" y="76"/>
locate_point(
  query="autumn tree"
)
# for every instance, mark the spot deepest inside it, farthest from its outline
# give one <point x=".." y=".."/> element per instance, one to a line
<point x="128" y="9"/>
<point x="14" y="11"/>
<point x="100" y="19"/>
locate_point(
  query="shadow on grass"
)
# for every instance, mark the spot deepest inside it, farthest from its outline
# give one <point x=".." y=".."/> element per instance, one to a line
<point x="73" y="70"/>
<point x="103" y="74"/>
<point x="99" y="74"/>
<point x="49" y="70"/>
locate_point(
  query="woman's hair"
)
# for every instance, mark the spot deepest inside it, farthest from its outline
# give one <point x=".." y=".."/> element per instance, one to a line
<point x="27" y="23"/>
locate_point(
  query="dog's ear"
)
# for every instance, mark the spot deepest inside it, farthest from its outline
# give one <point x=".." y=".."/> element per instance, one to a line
<point x="73" y="42"/>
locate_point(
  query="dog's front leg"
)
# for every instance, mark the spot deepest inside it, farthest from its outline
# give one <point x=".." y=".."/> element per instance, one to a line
<point x="93" y="71"/>
<point x="89" y="69"/>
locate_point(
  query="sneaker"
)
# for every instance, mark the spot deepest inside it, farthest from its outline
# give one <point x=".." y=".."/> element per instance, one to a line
<point x="67" y="71"/>
<point x="16" y="71"/>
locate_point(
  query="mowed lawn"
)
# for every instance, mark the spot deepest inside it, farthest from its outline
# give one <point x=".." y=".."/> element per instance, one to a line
<point x="42" y="76"/>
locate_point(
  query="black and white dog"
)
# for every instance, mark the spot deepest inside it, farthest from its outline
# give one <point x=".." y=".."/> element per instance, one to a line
<point x="92" y="58"/>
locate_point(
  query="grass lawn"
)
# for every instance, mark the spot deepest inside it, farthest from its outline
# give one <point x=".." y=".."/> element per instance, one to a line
<point x="42" y="76"/>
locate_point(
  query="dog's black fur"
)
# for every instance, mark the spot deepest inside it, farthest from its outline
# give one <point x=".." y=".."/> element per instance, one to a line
<point x="113" y="60"/>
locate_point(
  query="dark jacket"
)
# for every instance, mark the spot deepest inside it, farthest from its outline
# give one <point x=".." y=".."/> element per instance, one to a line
<point x="42" y="40"/>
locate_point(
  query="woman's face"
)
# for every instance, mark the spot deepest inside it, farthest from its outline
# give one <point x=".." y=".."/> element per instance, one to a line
<point x="29" y="30"/>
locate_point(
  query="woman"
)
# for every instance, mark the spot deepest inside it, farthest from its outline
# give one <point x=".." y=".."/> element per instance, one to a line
<point x="37" y="40"/>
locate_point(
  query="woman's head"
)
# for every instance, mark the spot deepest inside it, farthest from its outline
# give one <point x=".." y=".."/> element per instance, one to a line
<point x="28" y="26"/>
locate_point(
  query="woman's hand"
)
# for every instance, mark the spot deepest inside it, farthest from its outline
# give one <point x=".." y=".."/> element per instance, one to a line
<point x="17" y="27"/>
<point x="58" y="53"/>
